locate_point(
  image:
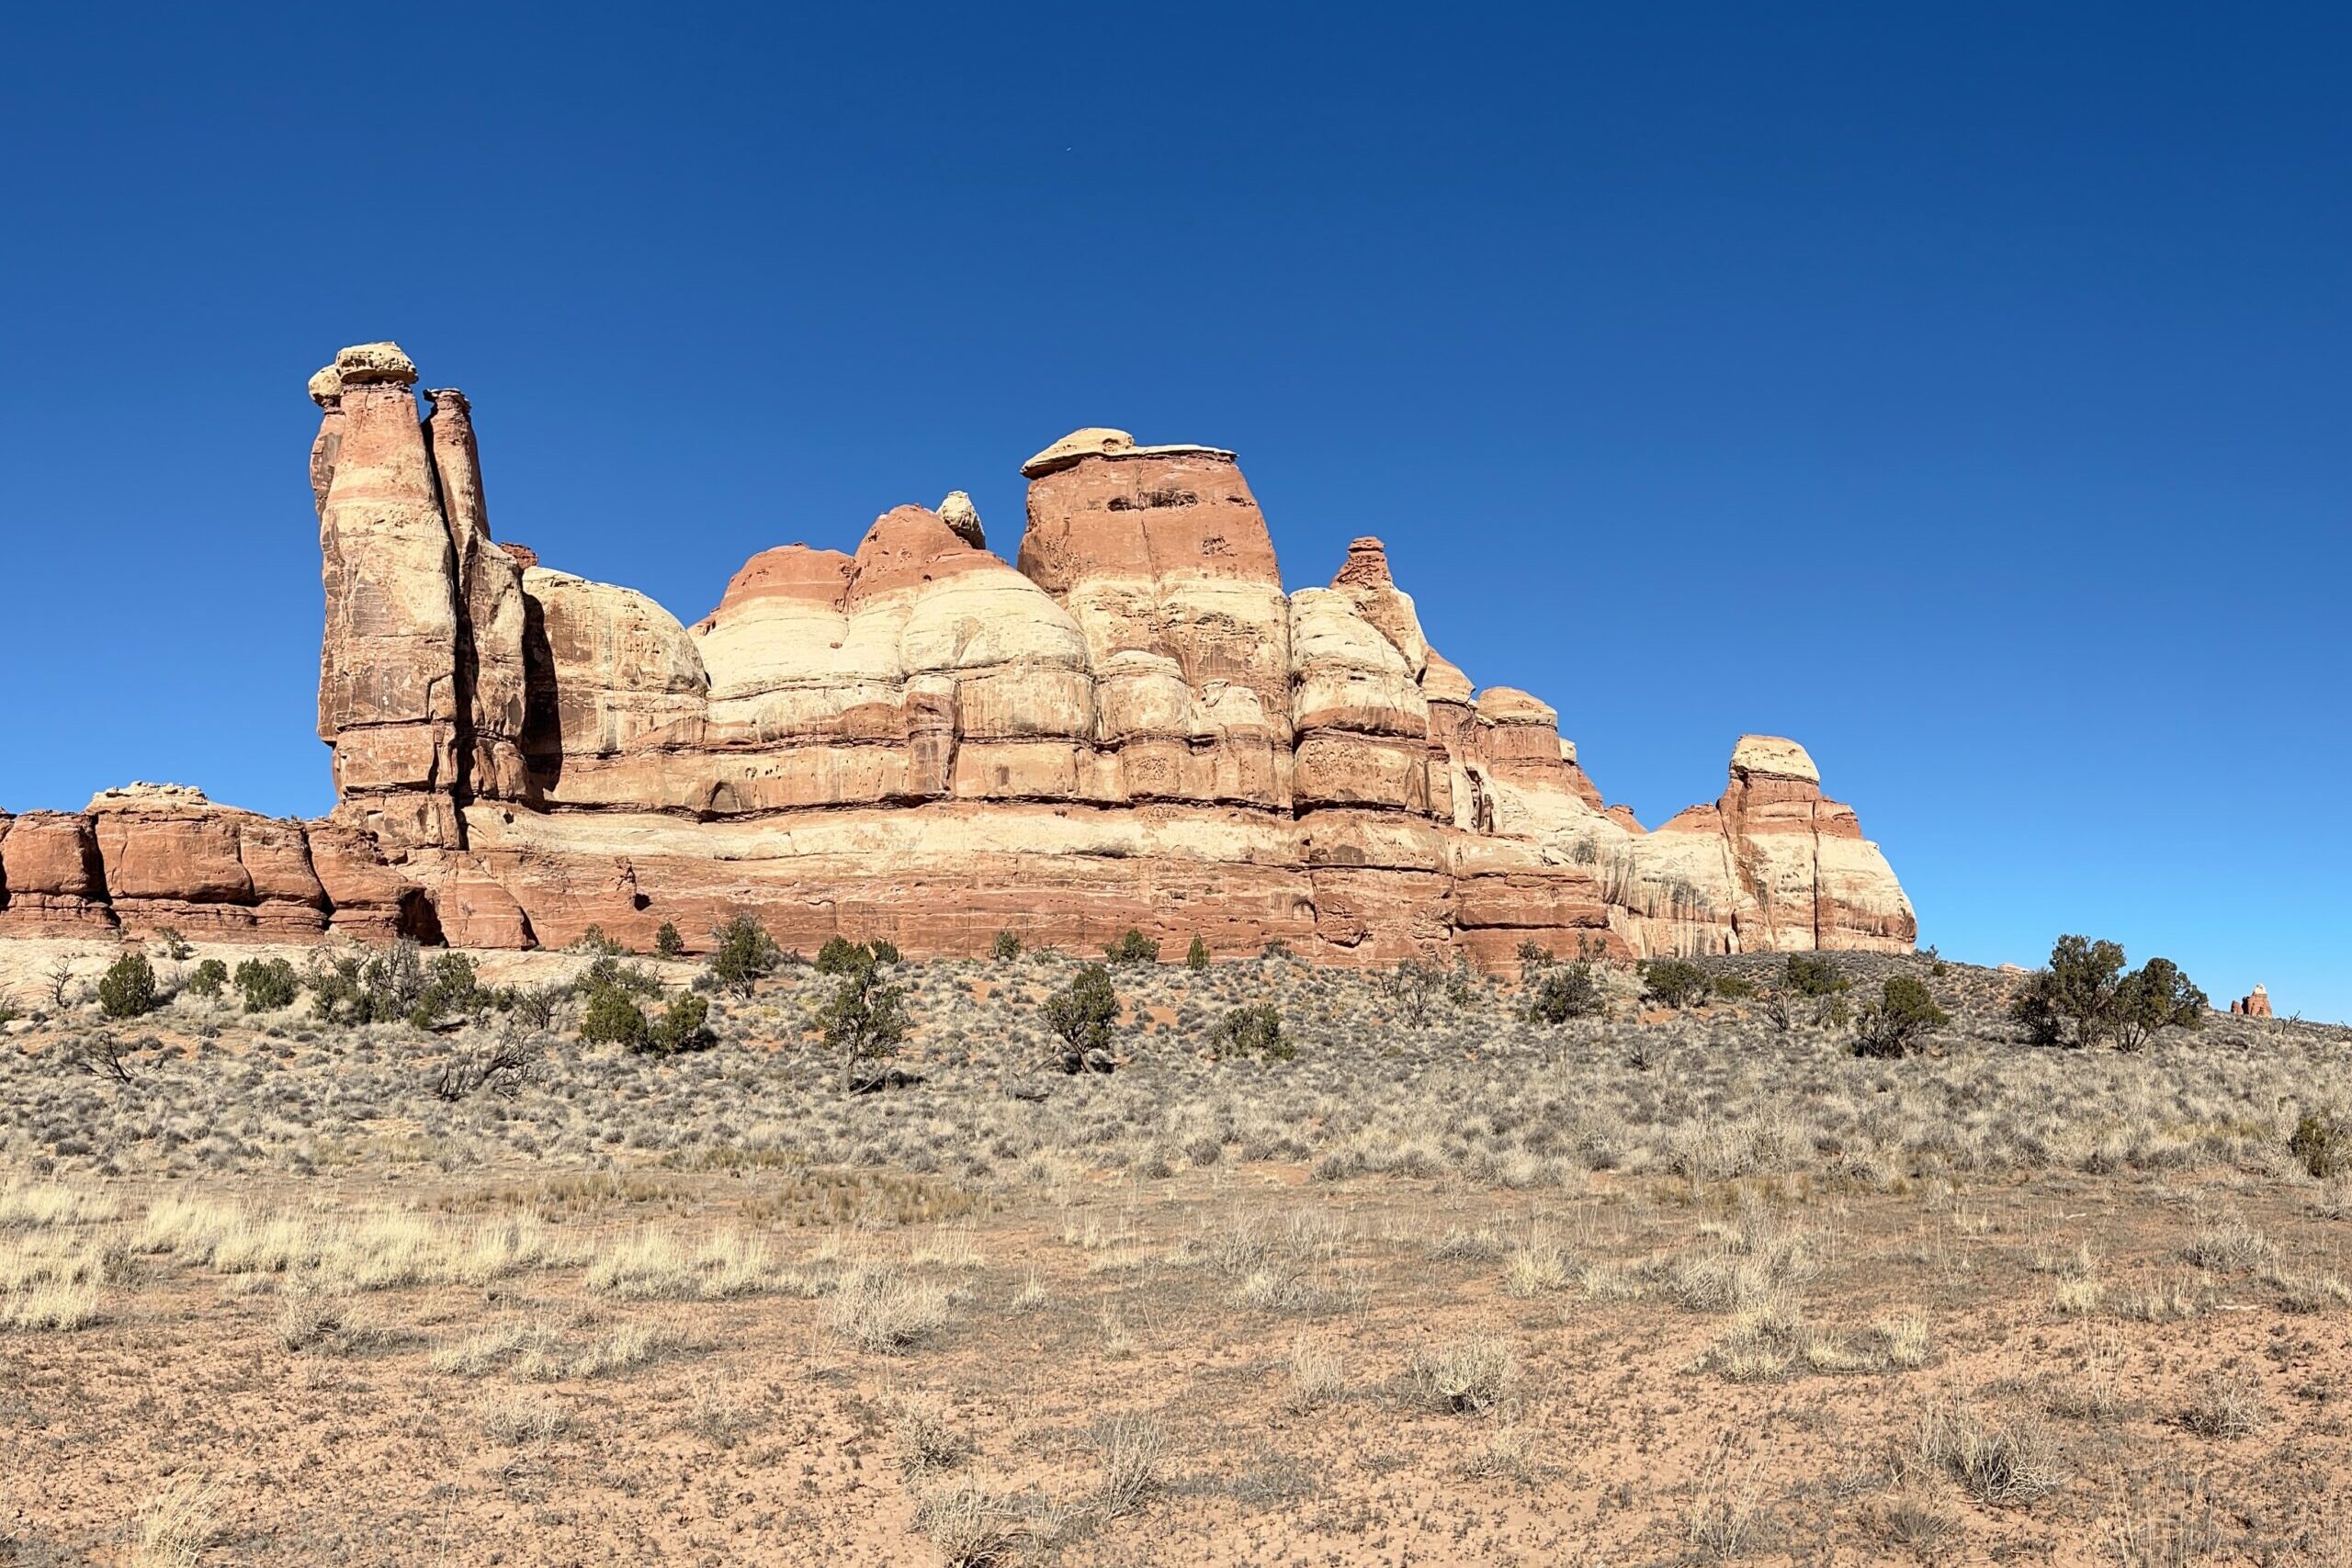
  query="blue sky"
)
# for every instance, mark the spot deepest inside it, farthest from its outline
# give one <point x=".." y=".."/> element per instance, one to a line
<point x="1962" y="390"/>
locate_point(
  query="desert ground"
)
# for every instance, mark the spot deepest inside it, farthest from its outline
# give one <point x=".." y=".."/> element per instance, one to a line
<point x="1446" y="1285"/>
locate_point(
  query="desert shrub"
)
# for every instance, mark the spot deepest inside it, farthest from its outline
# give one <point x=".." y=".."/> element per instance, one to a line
<point x="502" y="1066"/>
<point x="8" y="1013"/>
<point x="885" y="951"/>
<point x="128" y="987"/>
<point x="1196" y="957"/>
<point x="534" y="1005"/>
<point x="1084" y="1011"/>
<point x="1810" y="975"/>
<point x="865" y="1020"/>
<point x="684" y="1026"/>
<point x="374" y="985"/>
<point x="1733" y="987"/>
<point x="841" y="957"/>
<point x="450" y="987"/>
<point x="743" y="954"/>
<point x="594" y="940"/>
<point x="2154" y="997"/>
<point x="609" y="973"/>
<point x="1892" y="1025"/>
<point x="667" y="942"/>
<point x="268" y="984"/>
<point x="1005" y="948"/>
<point x="1414" y="985"/>
<point x="2073" y="1001"/>
<point x="210" y="977"/>
<point x="1133" y="948"/>
<point x="613" y="1018"/>
<point x="1277" y="948"/>
<point x="1674" y="982"/>
<point x="1254" y="1030"/>
<point x="2321" y="1143"/>
<point x="1565" y="991"/>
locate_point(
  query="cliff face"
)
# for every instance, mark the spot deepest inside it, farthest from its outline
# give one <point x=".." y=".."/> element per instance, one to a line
<point x="1134" y="726"/>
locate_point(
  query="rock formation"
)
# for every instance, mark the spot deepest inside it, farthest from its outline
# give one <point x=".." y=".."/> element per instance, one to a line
<point x="2257" y="1005"/>
<point x="1133" y="725"/>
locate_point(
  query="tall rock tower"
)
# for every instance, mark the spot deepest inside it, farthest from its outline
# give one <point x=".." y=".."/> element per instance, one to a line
<point x="421" y="677"/>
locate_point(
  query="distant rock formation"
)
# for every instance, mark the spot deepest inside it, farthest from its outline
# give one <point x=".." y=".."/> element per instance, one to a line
<point x="1131" y="726"/>
<point x="2257" y="1005"/>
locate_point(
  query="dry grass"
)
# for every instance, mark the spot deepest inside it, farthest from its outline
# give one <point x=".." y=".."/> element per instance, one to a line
<point x="2227" y="1404"/>
<point x="926" y="1444"/>
<point x="1464" y="1376"/>
<point x="1316" y="1376"/>
<point x="967" y="1528"/>
<point x="880" y="1308"/>
<point x="2006" y="1463"/>
<point x="177" y="1524"/>
<point x="1130" y="1449"/>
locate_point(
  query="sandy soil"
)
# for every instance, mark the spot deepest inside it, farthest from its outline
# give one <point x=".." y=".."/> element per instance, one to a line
<point x="712" y="1354"/>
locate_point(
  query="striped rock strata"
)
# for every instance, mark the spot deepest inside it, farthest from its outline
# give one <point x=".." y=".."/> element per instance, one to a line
<point x="1133" y="725"/>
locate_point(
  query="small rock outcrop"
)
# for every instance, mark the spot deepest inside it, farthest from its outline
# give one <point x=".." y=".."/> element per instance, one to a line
<point x="1131" y="725"/>
<point x="2256" y="1004"/>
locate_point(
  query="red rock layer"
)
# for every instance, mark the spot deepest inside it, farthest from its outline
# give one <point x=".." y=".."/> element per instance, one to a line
<point x="1136" y="726"/>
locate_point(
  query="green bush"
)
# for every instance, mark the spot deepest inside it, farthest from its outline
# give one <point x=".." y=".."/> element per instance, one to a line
<point x="608" y="973"/>
<point x="1196" y="957"/>
<point x="743" y="954"/>
<point x="1084" y="1011"/>
<point x="684" y="1026"/>
<point x="885" y="951"/>
<point x="128" y="989"/>
<point x="1133" y="948"/>
<point x="2322" y="1144"/>
<point x="1005" y="948"/>
<point x="594" y="940"/>
<point x="1277" y="948"/>
<point x="175" y="946"/>
<point x="1810" y="975"/>
<point x="1414" y="985"/>
<point x="2152" y="997"/>
<point x="1733" y="987"/>
<point x="1567" y="991"/>
<point x="1674" y="982"/>
<point x="613" y="1018"/>
<point x="1892" y="1025"/>
<point x="210" y="978"/>
<point x="841" y="957"/>
<point x="667" y="942"/>
<point x="2073" y="1001"/>
<point x="865" y="1020"/>
<point x="1253" y="1030"/>
<point x="268" y="984"/>
<point x="379" y="985"/>
<point x="451" y="988"/>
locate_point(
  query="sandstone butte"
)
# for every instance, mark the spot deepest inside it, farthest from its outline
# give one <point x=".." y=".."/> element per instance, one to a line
<point x="1131" y="725"/>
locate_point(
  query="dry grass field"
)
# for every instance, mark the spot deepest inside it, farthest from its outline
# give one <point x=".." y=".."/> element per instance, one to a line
<point x="1668" y="1286"/>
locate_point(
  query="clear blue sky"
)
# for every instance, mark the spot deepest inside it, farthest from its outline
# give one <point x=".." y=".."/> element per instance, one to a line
<point x="1959" y="389"/>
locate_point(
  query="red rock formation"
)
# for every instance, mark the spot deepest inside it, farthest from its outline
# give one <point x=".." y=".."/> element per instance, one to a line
<point x="1135" y="727"/>
<point x="2255" y="1005"/>
<point x="54" y="881"/>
